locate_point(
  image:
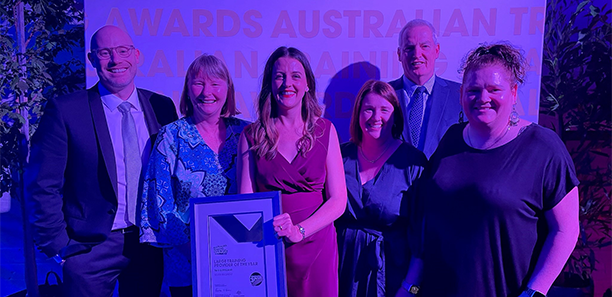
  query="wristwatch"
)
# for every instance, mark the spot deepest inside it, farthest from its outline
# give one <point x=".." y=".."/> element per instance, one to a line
<point x="58" y="259"/>
<point x="412" y="289"/>
<point x="534" y="293"/>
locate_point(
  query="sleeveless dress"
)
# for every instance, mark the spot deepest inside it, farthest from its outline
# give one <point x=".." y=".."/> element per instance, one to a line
<point x="312" y="264"/>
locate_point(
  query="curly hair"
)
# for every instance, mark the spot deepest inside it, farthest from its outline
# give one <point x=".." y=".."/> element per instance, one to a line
<point x="386" y="91"/>
<point x="502" y="53"/>
<point x="264" y="133"/>
<point x="209" y="66"/>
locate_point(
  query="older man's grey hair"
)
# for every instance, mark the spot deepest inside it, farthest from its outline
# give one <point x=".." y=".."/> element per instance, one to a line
<point x="416" y="23"/>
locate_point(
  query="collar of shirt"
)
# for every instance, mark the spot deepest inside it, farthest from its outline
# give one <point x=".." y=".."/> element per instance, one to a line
<point x="411" y="87"/>
<point x="111" y="101"/>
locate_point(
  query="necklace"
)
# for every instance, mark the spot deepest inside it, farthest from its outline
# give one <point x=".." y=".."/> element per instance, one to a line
<point x="492" y="144"/>
<point x="381" y="154"/>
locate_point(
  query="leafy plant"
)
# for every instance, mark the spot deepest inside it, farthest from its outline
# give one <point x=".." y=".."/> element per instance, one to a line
<point x="43" y="67"/>
<point x="576" y="85"/>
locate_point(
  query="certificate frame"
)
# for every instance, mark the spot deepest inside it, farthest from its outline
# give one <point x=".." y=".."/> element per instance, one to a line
<point x="231" y="236"/>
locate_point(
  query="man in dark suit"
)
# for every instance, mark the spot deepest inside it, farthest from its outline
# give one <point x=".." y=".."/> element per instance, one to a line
<point x="431" y="104"/>
<point x="83" y="178"/>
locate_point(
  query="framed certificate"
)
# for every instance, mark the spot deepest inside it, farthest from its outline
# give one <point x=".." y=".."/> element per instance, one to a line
<point x="234" y="249"/>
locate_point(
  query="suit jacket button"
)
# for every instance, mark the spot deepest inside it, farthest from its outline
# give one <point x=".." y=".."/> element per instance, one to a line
<point x="112" y="211"/>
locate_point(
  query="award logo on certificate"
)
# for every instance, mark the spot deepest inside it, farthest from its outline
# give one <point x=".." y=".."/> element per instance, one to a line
<point x="234" y="248"/>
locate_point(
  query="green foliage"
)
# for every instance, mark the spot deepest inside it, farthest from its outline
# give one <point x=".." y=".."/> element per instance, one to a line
<point x="576" y="86"/>
<point x="47" y="68"/>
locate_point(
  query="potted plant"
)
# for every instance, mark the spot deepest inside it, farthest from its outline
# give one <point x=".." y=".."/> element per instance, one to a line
<point x="38" y="40"/>
<point x="575" y="102"/>
<point x="37" y="62"/>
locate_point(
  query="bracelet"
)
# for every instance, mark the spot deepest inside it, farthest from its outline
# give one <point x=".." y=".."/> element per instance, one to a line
<point x="58" y="259"/>
<point x="412" y="289"/>
<point x="302" y="231"/>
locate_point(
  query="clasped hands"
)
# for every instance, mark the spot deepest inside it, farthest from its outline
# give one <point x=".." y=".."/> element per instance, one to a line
<point x="284" y="227"/>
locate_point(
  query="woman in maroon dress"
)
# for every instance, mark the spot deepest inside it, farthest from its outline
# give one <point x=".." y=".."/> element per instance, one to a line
<point x="291" y="149"/>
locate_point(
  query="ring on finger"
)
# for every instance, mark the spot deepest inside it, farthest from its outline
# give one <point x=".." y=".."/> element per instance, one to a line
<point x="280" y="227"/>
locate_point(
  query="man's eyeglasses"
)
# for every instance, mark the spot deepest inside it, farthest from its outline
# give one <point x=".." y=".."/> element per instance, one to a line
<point x="123" y="51"/>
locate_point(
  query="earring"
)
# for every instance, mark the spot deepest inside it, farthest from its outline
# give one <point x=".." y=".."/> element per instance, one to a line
<point x="307" y="89"/>
<point x="461" y="116"/>
<point x="514" y="117"/>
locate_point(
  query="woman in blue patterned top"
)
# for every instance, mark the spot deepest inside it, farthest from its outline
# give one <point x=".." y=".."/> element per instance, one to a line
<point x="193" y="157"/>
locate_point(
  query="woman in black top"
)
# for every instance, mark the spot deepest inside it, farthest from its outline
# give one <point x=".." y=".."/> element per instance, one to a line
<point x="500" y="197"/>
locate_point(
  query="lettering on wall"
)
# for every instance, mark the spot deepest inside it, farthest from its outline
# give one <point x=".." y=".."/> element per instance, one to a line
<point x="171" y="35"/>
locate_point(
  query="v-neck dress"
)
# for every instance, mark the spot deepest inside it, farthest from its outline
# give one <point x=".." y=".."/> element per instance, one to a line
<point x="183" y="166"/>
<point x="372" y="233"/>
<point x="312" y="264"/>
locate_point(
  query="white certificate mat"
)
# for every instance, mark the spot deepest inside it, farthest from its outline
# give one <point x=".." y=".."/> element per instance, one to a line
<point x="235" y="251"/>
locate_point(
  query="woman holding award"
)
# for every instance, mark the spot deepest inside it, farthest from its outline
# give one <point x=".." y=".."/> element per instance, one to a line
<point x="291" y="149"/>
<point x="192" y="157"/>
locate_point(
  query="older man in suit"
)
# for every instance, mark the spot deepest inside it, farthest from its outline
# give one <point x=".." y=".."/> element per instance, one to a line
<point x="431" y="104"/>
<point x="83" y="179"/>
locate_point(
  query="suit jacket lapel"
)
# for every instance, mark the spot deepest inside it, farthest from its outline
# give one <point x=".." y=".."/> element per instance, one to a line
<point x="102" y="134"/>
<point x="152" y="125"/>
<point x="438" y="100"/>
